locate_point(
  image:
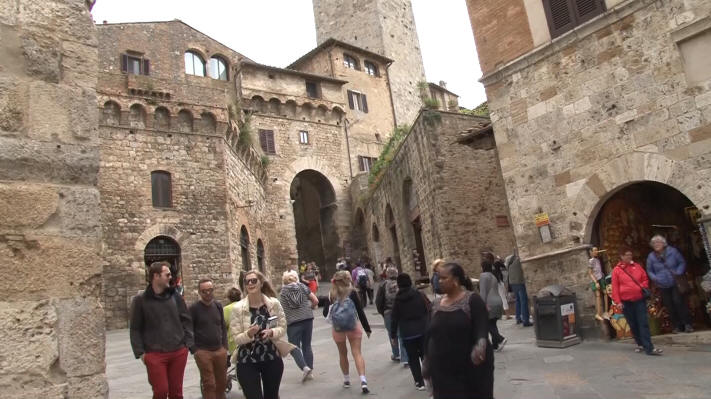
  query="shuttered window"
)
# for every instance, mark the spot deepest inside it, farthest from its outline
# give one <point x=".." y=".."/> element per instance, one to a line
<point x="161" y="189"/>
<point x="134" y="64"/>
<point x="357" y="101"/>
<point x="266" y="141"/>
<point x="564" y="15"/>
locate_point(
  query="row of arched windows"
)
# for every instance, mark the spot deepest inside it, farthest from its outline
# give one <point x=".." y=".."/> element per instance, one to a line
<point x="216" y="68"/>
<point x="244" y="245"/>
<point x="352" y="62"/>
<point x="137" y="116"/>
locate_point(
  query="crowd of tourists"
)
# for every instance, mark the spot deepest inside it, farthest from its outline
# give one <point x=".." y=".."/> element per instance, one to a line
<point x="447" y="343"/>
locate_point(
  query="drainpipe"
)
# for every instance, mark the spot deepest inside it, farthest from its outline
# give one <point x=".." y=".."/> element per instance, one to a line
<point x="348" y="147"/>
<point x="390" y="90"/>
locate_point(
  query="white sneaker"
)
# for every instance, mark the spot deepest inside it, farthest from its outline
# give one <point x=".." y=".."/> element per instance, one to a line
<point x="307" y="374"/>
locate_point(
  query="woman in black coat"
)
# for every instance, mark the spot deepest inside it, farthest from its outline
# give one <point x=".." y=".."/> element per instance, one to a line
<point x="410" y="312"/>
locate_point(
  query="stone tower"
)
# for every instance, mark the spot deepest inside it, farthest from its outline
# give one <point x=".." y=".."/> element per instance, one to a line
<point x="385" y="27"/>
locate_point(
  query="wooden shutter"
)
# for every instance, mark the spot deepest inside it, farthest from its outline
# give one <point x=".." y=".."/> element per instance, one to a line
<point x="161" y="189"/>
<point x="560" y="15"/>
<point x="124" y="63"/>
<point x="349" y="94"/>
<point x="365" y="103"/>
<point x="266" y="141"/>
<point x="360" y="164"/>
<point x="145" y="67"/>
<point x="586" y="10"/>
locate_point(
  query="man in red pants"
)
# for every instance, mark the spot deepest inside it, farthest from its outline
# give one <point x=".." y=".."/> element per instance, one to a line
<point x="161" y="333"/>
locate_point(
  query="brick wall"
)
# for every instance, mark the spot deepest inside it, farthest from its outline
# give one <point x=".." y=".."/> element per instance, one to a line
<point x="501" y="31"/>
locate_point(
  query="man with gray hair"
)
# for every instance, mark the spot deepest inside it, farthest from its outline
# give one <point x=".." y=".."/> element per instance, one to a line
<point x="664" y="265"/>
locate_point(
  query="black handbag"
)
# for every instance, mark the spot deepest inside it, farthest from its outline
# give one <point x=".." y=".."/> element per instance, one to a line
<point x="646" y="293"/>
<point x="682" y="284"/>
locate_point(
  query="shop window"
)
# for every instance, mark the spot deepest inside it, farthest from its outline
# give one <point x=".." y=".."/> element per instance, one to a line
<point x="303" y="137"/>
<point x="365" y="163"/>
<point x="194" y="65"/>
<point x="266" y="141"/>
<point x="134" y="64"/>
<point x="312" y="90"/>
<point x="370" y="68"/>
<point x="357" y="101"/>
<point x="564" y="15"/>
<point x="350" y="62"/>
<point x="218" y="68"/>
<point x="161" y="189"/>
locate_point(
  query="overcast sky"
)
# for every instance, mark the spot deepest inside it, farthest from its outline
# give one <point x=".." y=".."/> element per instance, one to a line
<point x="277" y="32"/>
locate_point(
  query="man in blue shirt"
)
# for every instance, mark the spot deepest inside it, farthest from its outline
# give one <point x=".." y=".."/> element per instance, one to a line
<point x="663" y="263"/>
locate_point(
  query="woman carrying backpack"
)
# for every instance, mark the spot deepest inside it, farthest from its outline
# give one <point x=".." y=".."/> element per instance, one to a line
<point x="344" y="313"/>
<point x="384" y="301"/>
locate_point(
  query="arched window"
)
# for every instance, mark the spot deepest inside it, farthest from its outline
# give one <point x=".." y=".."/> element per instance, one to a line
<point x="218" y="68"/>
<point x="137" y="116"/>
<point x="161" y="189"/>
<point x="209" y="124"/>
<point x="112" y="114"/>
<point x="376" y="233"/>
<point x="370" y="68"/>
<point x="194" y="65"/>
<point x="163" y="248"/>
<point x="350" y="62"/>
<point x="161" y="119"/>
<point x="260" y="255"/>
<point x="244" y="244"/>
<point x="185" y="121"/>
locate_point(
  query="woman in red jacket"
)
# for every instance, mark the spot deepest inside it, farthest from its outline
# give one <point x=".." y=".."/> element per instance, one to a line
<point x="629" y="281"/>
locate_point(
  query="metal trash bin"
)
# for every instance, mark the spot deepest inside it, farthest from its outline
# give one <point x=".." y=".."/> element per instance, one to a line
<point x="555" y="315"/>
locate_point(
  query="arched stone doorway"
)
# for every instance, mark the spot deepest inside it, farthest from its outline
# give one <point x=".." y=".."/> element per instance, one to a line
<point x="390" y="223"/>
<point x="314" y="205"/>
<point x="412" y="207"/>
<point x="630" y="216"/>
<point x="359" y="240"/>
<point x="164" y="248"/>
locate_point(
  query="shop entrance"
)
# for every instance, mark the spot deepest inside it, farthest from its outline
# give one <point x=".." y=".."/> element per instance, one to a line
<point x="629" y="219"/>
<point x="314" y="204"/>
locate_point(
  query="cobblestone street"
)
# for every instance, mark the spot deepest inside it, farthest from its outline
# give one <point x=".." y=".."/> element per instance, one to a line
<point x="590" y="370"/>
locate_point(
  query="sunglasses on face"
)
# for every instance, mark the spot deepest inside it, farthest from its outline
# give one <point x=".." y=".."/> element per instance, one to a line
<point x="251" y="281"/>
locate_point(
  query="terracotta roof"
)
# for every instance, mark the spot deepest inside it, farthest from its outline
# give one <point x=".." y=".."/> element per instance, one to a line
<point x="293" y="72"/>
<point x="481" y="127"/>
<point x="345" y="45"/>
<point x="443" y="88"/>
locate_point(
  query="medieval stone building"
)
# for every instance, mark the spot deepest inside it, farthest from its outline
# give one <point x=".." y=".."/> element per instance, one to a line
<point x="602" y="116"/>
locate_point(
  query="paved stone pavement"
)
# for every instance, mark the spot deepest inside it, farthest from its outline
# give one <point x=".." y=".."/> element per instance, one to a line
<point x="590" y="370"/>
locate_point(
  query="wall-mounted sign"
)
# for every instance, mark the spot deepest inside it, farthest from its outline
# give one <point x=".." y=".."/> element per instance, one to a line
<point x="541" y="219"/>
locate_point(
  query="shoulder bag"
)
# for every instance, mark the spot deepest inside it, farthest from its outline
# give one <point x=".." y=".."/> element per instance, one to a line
<point x="682" y="284"/>
<point x="646" y="293"/>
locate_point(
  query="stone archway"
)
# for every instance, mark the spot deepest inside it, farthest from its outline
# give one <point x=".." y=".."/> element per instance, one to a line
<point x="314" y="206"/>
<point x="632" y="214"/>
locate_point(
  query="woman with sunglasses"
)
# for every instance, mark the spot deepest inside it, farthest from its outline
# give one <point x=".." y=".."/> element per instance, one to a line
<point x="258" y="324"/>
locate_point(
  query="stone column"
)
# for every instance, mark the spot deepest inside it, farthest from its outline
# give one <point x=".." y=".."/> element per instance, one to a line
<point x="51" y="320"/>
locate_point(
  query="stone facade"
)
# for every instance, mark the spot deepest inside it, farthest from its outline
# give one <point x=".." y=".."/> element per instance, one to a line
<point x="50" y="238"/>
<point x="386" y="27"/>
<point x="606" y="105"/>
<point x="236" y="203"/>
<point x="443" y="185"/>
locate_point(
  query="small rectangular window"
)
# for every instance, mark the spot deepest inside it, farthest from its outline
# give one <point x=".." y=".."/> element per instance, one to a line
<point x="312" y="90"/>
<point x="134" y="64"/>
<point x="303" y="137"/>
<point x="365" y="163"/>
<point x="161" y="189"/>
<point x="357" y="101"/>
<point x="266" y="141"/>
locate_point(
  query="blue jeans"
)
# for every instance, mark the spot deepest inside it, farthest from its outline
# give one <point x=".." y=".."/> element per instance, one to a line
<point x="398" y="350"/>
<point x="636" y="315"/>
<point x="299" y="334"/>
<point x="521" y="295"/>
